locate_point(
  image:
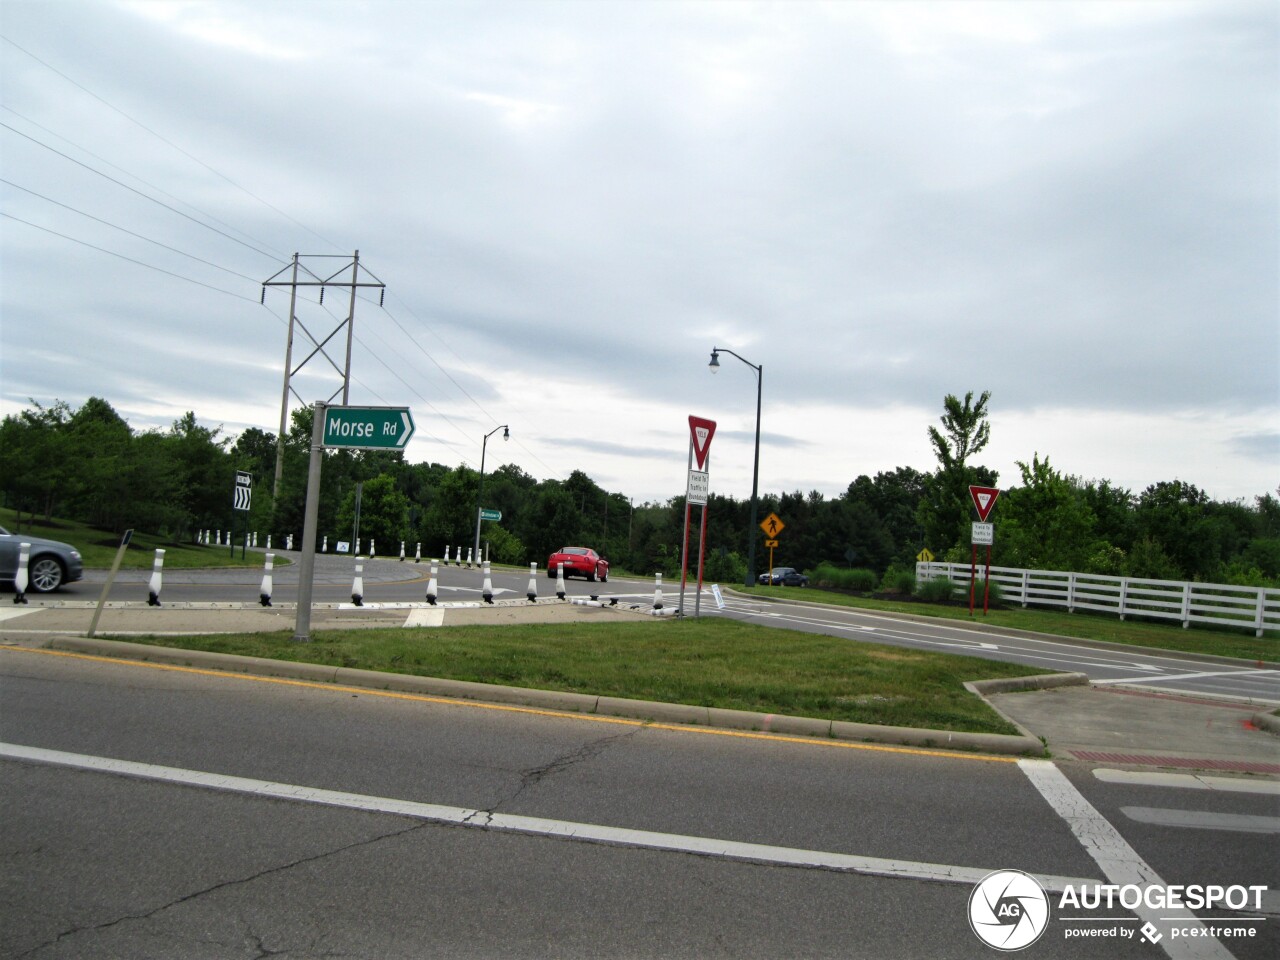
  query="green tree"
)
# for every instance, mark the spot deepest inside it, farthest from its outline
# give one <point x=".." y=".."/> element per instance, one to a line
<point x="1046" y="523"/>
<point x="384" y="514"/>
<point x="945" y="510"/>
<point x="36" y="468"/>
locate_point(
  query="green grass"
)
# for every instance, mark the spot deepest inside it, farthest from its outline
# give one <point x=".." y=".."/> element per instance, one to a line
<point x="98" y="547"/>
<point x="709" y="662"/>
<point x="1240" y="644"/>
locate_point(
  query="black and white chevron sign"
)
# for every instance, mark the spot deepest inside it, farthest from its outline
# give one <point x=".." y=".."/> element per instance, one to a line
<point x="244" y="491"/>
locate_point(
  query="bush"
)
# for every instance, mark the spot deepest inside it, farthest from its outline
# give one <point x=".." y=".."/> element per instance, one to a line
<point x="936" y="590"/>
<point x="839" y="578"/>
<point x="898" y="580"/>
<point x="994" y="599"/>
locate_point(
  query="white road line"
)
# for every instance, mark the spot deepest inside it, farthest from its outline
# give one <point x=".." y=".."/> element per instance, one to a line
<point x="428" y="617"/>
<point x="1203" y="820"/>
<point x="1119" y="861"/>
<point x="1193" y="676"/>
<point x="1188" y="781"/>
<point x="535" y="826"/>
<point x="15" y="612"/>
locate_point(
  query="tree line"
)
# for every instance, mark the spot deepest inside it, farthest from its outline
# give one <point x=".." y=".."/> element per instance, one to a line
<point x="87" y="464"/>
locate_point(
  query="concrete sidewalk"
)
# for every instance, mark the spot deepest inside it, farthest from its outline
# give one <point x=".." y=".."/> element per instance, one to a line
<point x="1092" y="724"/>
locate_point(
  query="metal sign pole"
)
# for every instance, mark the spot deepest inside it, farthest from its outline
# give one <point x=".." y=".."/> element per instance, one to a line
<point x="702" y="543"/>
<point x="310" y="524"/>
<point x="684" y="540"/>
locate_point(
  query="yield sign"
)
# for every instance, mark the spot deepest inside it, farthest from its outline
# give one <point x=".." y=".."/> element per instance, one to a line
<point x="984" y="498"/>
<point x="701" y="431"/>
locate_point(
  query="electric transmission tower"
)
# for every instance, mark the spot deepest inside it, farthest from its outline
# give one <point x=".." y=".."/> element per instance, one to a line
<point x="350" y="275"/>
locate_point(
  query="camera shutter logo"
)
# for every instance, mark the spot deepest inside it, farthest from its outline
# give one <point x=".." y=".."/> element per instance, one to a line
<point x="1008" y="910"/>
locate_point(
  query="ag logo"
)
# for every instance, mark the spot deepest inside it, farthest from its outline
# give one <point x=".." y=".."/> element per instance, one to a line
<point x="1008" y="910"/>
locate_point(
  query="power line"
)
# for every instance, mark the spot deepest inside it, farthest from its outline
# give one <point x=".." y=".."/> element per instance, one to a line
<point x="165" y="141"/>
<point x="115" y="166"/>
<point x="149" y="266"/>
<point x="116" y="226"/>
<point x="119" y="183"/>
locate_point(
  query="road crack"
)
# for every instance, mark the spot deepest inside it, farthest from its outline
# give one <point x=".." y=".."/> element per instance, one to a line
<point x="215" y="888"/>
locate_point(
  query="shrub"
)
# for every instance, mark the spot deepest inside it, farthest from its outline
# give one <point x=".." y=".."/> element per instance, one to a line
<point x="936" y="590"/>
<point x="994" y="599"/>
<point x="898" y="580"/>
<point x="840" y="578"/>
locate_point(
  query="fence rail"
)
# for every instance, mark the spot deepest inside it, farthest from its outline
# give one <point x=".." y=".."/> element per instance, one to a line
<point x="1217" y="604"/>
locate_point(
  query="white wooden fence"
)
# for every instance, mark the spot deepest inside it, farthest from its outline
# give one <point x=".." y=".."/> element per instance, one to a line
<point x="1218" y="604"/>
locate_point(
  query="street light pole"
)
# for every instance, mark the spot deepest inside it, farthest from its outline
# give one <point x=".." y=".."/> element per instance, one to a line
<point x="506" y="435"/>
<point x="755" y="472"/>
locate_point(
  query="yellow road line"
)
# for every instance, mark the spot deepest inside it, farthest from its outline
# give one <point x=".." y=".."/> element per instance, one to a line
<point x="511" y="708"/>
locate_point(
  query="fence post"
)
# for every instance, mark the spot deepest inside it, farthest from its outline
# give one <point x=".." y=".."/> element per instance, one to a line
<point x="1186" y="605"/>
<point x="1262" y="607"/>
<point x="1071" y="592"/>
<point x="1026" y="587"/>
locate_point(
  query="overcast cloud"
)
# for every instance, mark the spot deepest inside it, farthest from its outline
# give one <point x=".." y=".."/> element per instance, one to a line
<point x="1072" y="205"/>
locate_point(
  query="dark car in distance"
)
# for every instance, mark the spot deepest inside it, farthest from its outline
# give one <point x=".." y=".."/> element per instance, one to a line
<point x="783" y="577"/>
<point x="579" y="562"/>
<point x="50" y="564"/>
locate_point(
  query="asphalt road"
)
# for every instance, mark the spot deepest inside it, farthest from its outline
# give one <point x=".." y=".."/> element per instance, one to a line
<point x="390" y="580"/>
<point x="152" y="812"/>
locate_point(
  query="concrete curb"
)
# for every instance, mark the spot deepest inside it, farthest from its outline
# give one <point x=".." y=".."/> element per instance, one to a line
<point x="981" y="688"/>
<point x="653" y="711"/>
<point x="1267" y="721"/>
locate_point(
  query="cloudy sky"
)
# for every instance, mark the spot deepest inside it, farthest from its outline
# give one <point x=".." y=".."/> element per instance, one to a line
<point x="1072" y="205"/>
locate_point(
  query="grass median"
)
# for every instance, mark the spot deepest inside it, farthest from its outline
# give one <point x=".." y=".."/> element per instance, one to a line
<point x="710" y="662"/>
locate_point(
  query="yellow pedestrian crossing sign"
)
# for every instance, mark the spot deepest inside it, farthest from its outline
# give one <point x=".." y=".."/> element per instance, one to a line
<point x="925" y="555"/>
<point x="772" y="525"/>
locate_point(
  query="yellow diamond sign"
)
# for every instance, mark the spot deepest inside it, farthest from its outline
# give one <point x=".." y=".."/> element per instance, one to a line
<point x="772" y="525"/>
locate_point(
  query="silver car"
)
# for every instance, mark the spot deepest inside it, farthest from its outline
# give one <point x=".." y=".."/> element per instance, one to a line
<point x="51" y="563"/>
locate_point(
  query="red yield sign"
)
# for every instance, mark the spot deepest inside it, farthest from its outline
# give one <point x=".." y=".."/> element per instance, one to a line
<point x="984" y="498"/>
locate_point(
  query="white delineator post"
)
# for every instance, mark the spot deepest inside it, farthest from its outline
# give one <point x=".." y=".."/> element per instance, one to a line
<point x="431" y="584"/>
<point x="560" y="580"/>
<point x="657" y="591"/>
<point x="486" y="591"/>
<point x="402" y="551"/>
<point x="20" y="577"/>
<point x="445" y="561"/>
<point x="157" y="570"/>
<point x="264" y="592"/>
<point x="417" y="553"/>
<point x="357" y="588"/>
<point x="533" y="583"/>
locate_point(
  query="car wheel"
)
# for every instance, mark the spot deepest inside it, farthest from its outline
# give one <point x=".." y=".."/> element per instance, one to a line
<point x="45" y="574"/>
<point x="591" y="577"/>
<point x="604" y="577"/>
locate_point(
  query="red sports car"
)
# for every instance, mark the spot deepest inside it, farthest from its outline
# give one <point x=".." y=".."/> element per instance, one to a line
<point x="579" y="562"/>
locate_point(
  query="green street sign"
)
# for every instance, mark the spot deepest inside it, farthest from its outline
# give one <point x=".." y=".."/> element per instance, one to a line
<point x="371" y="428"/>
<point x="490" y="514"/>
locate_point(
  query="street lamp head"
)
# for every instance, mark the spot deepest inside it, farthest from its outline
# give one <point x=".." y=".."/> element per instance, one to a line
<point x="506" y="433"/>
<point x="715" y="361"/>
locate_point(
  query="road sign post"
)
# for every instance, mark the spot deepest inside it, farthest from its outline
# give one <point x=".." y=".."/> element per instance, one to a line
<point x="367" y="428"/>
<point x="984" y="498"/>
<point x="697" y="490"/>
<point x="772" y="525"/>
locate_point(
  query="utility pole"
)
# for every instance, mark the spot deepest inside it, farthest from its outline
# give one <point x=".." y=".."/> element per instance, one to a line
<point x="302" y="272"/>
